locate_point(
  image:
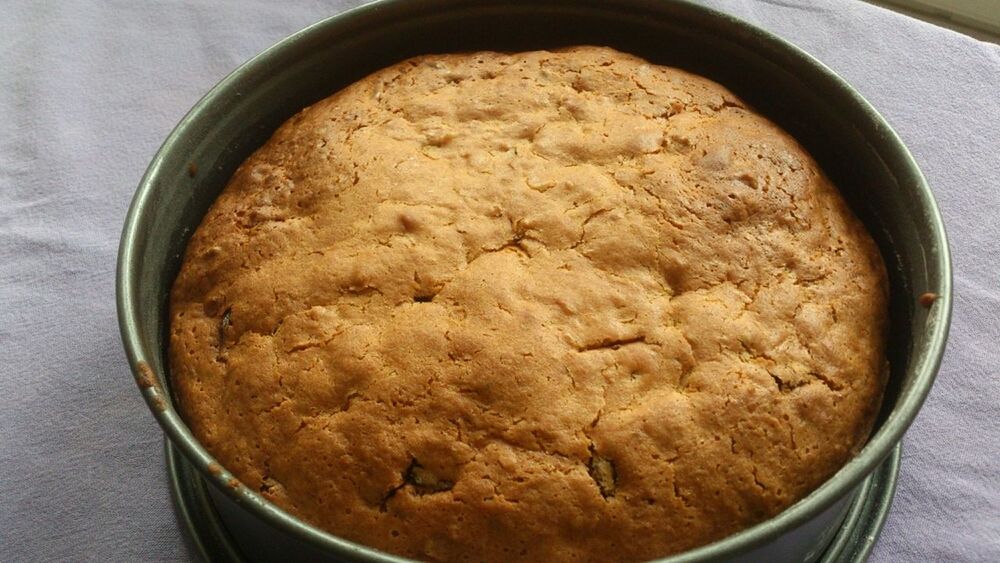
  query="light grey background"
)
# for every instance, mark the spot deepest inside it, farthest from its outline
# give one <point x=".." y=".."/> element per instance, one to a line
<point x="88" y="90"/>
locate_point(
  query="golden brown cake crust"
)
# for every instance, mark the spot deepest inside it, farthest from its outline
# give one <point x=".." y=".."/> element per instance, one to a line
<point x="544" y="306"/>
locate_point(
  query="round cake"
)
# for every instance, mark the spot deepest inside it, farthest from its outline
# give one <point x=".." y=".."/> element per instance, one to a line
<point x="544" y="306"/>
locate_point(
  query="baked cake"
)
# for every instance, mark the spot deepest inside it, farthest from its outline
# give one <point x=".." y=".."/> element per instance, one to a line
<point x="543" y="306"/>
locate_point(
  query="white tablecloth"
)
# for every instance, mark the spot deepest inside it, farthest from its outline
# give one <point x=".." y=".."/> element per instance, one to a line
<point x="89" y="89"/>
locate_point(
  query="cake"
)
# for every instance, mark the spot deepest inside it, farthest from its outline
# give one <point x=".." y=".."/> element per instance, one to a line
<point x="543" y="306"/>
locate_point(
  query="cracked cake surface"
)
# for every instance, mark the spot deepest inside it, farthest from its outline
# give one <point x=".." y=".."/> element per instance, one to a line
<point x="543" y="306"/>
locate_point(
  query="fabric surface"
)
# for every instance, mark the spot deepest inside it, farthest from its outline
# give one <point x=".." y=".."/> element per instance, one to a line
<point x="88" y="91"/>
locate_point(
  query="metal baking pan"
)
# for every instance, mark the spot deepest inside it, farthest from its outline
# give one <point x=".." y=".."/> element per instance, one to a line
<point x="852" y="142"/>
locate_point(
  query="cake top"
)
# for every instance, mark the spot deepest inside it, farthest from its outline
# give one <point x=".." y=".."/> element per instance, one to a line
<point x="539" y="306"/>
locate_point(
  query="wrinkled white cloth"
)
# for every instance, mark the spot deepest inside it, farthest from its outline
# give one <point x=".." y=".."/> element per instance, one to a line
<point x="89" y="89"/>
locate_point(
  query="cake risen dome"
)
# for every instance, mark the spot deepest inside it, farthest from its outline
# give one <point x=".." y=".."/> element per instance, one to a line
<point x="543" y="306"/>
